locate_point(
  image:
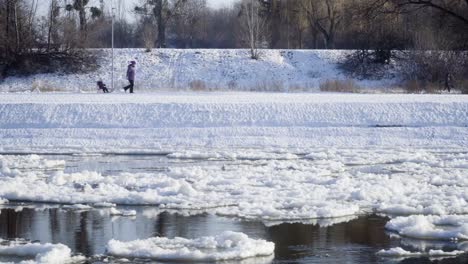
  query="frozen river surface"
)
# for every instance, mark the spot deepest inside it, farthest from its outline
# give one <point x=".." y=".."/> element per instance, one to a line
<point x="311" y="206"/>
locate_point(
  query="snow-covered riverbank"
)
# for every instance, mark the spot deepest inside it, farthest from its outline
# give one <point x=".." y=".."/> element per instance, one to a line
<point x="168" y="122"/>
<point x="225" y="70"/>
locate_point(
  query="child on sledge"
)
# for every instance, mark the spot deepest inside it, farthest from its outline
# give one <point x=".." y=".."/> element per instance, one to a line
<point x="102" y="86"/>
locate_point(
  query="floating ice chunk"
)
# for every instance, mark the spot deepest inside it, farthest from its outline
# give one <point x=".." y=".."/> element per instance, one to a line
<point x="115" y="212"/>
<point x="449" y="227"/>
<point x="42" y="253"/>
<point x="441" y="253"/>
<point x="239" y="155"/>
<point x="226" y="246"/>
<point x="104" y="205"/>
<point x="3" y="201"/>
<point x="14" y="164"/>
<point x="397" y="252"/>
<point x="77" y="207"/>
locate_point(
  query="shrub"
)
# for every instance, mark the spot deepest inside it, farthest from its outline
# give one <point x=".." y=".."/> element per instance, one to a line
<point x="80" y="61"/>
<point x="418" y="86"/>
<point x="342" y="86"/>
<point x="197" y="85"/>
<point x="368" y="64"/>
<point x="435" y="70"/>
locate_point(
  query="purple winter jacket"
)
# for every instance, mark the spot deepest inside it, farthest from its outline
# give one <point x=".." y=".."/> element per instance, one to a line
<point x="131" y="72"/>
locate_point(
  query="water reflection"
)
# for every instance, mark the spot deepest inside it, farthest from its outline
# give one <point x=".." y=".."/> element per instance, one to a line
<point x="88" y="232"/>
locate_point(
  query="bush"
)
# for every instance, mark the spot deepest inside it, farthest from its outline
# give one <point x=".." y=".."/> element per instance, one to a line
<point x="368" y="64"/>
<point x="52" y="62"/>
<point x="341" y="86"/>
<point x="197" y="85"/>
<point x="464" y="86"/>
<point x="417" y="86"/>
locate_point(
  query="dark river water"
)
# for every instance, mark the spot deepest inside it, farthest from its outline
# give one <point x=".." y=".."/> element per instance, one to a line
<point x="356" y="240"/>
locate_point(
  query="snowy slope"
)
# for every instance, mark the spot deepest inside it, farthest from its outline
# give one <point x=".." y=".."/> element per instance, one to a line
<point x="173" y="69"/>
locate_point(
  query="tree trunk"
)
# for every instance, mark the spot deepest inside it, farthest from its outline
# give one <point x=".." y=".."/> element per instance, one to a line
<point x="17" y="36"/>
<point x="158" y="13"/>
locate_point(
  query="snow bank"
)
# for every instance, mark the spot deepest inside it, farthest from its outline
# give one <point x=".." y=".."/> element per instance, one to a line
<point x="176" y="123"/>
<point x="399" y="252"/>
<point x="226" y="246"/>
<point x="42" y="253"/>
<point x="172" y="69"/>
<point x="448" y="227"/>
<point x="230" y="110"/>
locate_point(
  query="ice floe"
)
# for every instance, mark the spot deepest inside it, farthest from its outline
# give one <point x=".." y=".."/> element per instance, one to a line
<point x="226" y="246"/>
<point x="399" y="252"/>
<point x="447" y="227"/>
<point x="327" y="183"/>
<point x="113" y="211"/>
<point x="41" y="253"/>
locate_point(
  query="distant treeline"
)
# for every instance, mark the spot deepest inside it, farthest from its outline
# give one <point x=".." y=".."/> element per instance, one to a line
<point x="379" y="25"/>
<point x="288" y="24"/>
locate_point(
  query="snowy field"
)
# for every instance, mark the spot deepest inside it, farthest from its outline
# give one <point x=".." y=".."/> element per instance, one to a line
<point x="225" y="70"/>
<point x="273" y="158"/>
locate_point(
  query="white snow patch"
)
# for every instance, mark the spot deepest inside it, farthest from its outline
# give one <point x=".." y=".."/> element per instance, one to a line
<point x="226" y="246"/>
<point x="42" y="253"/>
<point x="447" y="227"/>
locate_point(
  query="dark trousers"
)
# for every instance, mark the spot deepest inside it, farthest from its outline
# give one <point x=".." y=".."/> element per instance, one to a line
<point x="130" y="86"/>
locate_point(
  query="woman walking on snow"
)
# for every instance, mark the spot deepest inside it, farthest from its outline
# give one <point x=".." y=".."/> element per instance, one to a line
<point x="130" y="76"/>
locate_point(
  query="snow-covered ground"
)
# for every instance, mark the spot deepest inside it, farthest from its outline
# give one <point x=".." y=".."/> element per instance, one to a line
<point x="173" y="69"/>
<point x="169" y="122"/>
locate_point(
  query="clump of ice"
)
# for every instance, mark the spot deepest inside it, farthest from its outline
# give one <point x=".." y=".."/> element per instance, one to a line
<point x="11" y="165"/>
<point x="77" y="207"/>
<point x="448" y="227"/>
<point x="104" y="205"/>
<point x="3" y="201"/>
<point x="399" y="252"/>
<point x="327" y="183"/>
<point x="232" y="155"/>
<point x="42" y="253"/>
<point x="113" y="211"/>
<point x="226" y="246"/>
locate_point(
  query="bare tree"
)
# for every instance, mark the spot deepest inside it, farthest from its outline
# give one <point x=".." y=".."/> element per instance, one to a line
<point x="253" y="26"/>
<point x="325" y="16"/>
<point x="189" y="22"/>
<point x="457" y="9"/>
<point x="162" y="10"/>
<point x="149" y="36"/>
